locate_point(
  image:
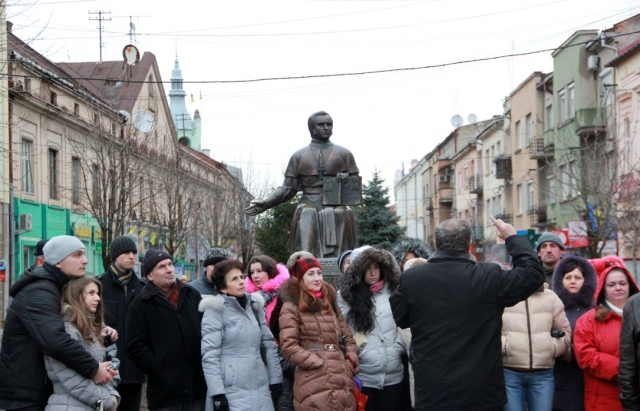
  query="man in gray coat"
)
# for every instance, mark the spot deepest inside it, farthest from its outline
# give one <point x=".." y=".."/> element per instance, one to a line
<point x="215" y="255"/>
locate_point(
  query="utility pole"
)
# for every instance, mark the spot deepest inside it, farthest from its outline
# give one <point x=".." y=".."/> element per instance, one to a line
<point x="100" y="19"/>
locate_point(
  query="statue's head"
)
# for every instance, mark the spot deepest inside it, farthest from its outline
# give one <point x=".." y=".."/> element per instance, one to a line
<point x="320" y="125"/>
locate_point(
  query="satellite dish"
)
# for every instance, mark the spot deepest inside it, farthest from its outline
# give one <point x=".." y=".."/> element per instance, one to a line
<point x="472" y="118"/>
<point x="131" y="54"/>
<point x="143" y="121"/>
<point x="457" y="121"/>
<point x="126" y="114"/>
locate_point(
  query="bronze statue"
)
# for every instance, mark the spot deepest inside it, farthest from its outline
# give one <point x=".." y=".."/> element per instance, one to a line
<point x="327" y="174"/>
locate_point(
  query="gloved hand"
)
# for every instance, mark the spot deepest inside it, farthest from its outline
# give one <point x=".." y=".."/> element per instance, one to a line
<point x="353" y="361"/>
<point x="276" y="392"/>
<point x="220" y="403"/>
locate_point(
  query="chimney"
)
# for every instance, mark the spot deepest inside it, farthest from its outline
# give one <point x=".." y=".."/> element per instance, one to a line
<point x="9" y="26"/>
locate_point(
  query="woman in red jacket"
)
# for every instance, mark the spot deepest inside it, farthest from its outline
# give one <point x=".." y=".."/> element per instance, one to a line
<point x="596" y="342"/>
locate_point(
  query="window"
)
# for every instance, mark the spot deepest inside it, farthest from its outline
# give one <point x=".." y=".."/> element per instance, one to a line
<point x="27" y="166"/>
<point x="549" y="117"/>
<point x="114" y="129"/>
<point x="95" y="176"/>
<point x="76" y="109"/>
<point x="489" y="212"/>
<point x="54" y="98"/>
<point x="530" y="199"/>
<point x="528" y="128"/>
<point x="459" y="180"/>
<point x="521" y="199"/>
<point x="96" y="119"/>
<point x="487" y="161"/>
<point x="551" y="186"/>
<point x="573" y="186"/>
<point x="563" y="182"/>
<point x="465" y="177"/>
<point x="520" y="134"/>
<point x="562" y="101"/>
<point x="53" y="174"/>
<point x="75" y="180"/>
<point x="493" y="164"/>
<point x="27" y="85"/>
<point x="572" y="101"/>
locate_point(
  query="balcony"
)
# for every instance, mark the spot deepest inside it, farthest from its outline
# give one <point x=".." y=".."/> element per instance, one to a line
<point x="478" y="233"/>
<point x="538" y="150"/>
<point x="475" y="184"/>
<point x="538" y="216"/>
<point x="445" y="196"/>
<point x="507" y="218"/>
<point x="428" y="203"/>
<point x="503" y="166"/>
<point x="591" y="120"/>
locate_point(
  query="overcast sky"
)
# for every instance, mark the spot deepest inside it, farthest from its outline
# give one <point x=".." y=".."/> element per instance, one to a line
<point x="385" y="119"/>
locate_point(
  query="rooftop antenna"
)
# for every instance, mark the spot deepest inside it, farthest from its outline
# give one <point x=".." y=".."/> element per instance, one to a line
<point x="100" y="19"/>
<point x="132" y="30"/>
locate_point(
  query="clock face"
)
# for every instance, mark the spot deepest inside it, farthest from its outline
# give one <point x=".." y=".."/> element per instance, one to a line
<point x="143" y="121"/>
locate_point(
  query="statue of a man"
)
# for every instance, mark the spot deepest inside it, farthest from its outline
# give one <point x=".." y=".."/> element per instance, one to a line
<point x="327" y="175"/>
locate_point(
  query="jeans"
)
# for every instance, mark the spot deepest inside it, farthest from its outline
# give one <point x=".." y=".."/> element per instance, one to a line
<point x="535" y="389"/>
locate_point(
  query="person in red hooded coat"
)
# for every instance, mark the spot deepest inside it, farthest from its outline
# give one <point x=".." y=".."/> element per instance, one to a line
<point x="596" y="341"/>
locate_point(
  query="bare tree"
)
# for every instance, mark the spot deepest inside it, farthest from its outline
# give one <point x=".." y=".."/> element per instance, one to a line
<point x="109" y="165"/>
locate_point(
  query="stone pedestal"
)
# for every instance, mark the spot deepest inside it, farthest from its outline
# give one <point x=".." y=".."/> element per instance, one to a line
<point x="330" y="271"/>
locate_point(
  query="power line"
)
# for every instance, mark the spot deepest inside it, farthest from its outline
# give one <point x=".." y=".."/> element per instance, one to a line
<point x="360" y="73"/>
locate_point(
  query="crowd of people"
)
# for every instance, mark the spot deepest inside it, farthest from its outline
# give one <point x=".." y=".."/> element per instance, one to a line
<point x="407" y="329"/>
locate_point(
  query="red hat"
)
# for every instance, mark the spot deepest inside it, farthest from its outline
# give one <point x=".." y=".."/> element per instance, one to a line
<point x="303" y="265"/>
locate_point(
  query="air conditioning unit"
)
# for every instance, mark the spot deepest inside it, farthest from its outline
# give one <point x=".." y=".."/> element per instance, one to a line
<point x="593" y="63"/>
<point x="26" y="222"/>
<point x="444" y="179"/>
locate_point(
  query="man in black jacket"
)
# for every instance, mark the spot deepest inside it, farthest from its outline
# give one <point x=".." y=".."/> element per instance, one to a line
<point x="629" y="373"/>
<point x="454" y="306"/>
<point x="119" y="287"/>
<point x="163" y="337"/>
<point x="34" y="327"/>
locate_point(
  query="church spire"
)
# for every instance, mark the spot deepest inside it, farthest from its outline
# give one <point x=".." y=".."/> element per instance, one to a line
<point x="181" y="117"/>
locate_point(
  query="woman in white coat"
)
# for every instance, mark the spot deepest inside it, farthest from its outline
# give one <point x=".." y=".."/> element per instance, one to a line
<point x="364" y="300"/>
<point x="239" y="357"/>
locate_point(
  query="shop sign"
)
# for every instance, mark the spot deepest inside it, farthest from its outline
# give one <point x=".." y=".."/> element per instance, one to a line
<point x="97" y="234"/>
<point x="83" y="232"/>
<point x="578" y="234"/>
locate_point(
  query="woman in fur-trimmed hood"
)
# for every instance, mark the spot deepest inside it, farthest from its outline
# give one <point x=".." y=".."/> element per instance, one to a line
<point x="311" y="326"/>
<point x="577" y="300"/>
<point x="364" y="300"/>
<point x="409" y="248"/>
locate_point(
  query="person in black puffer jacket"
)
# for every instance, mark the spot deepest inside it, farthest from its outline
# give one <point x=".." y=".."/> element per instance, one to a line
<point x="34" y="327"/>
<point x="120" y="285"/>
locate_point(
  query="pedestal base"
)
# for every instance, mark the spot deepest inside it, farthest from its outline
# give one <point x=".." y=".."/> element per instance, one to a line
<point x="330" y="271"/>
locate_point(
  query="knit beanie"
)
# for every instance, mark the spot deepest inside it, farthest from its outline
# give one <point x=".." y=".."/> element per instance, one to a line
<point x="120" y="245"/>
<point x="60" y="247"/>
<point x="152" y="258"/>
<point x="39" y="247"/>
<point x="303" y="265"/>
<point x="215" y="255"/>
<point x="549" y="237"/>
<point x="343" y="258"/>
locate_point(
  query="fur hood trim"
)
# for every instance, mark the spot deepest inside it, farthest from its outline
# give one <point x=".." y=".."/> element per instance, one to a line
<point x="413" y="245"/>
<point x="216" y="302"/>
<point x="358" y="268"/>
<point x="290" y="292"/>
<point x="585" y="297"/>
<point x="273" y="284"/>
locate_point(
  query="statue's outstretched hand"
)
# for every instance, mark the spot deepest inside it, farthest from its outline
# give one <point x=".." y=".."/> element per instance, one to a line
<point x="256" y="208"/>
<point x="503" y="230"/>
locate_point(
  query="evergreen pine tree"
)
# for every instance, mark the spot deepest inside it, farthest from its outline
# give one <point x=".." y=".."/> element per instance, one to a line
<point x="273" y="230"/>
<point x="376" y="225"/>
